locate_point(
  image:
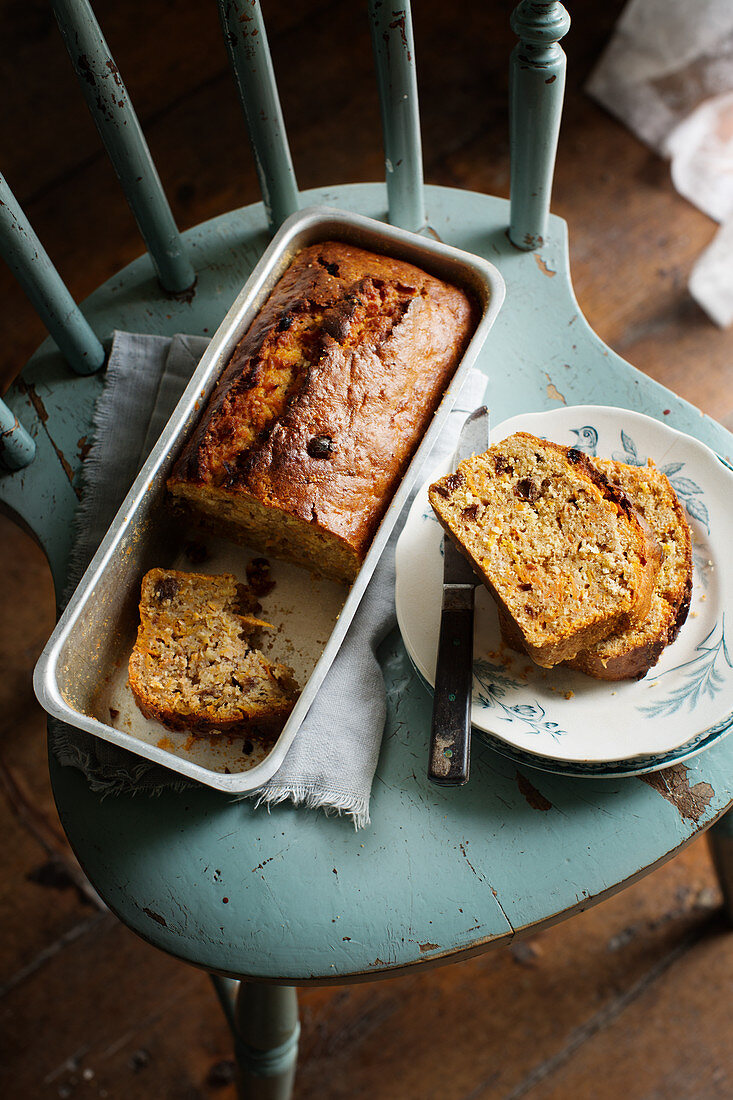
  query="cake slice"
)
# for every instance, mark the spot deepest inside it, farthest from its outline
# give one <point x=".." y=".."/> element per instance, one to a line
<point x="630" y="653"/>
<point x="563" y="551"/>
<point x="194" y="665"/>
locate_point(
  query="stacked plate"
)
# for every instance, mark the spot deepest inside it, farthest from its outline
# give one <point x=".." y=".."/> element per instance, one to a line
<point x="563" y="721"/>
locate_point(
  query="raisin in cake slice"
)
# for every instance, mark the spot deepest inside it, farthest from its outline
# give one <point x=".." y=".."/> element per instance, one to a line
<point x="562" y="550"/>
<point x="630" y="653"/>
<point x="194" y="666"/>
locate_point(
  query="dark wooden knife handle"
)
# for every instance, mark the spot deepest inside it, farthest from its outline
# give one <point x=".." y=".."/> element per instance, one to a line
<point x="450" y="735"/>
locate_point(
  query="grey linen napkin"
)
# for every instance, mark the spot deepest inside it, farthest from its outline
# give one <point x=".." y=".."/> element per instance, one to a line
<point x="332" y="761"/>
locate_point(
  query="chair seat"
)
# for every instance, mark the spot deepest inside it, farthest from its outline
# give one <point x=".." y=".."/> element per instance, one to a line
<point x="292" y="895"/>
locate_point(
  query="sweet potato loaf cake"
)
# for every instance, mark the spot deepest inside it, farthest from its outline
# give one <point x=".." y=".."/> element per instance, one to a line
<point x="322" y="404"/>
<point x="562" y="550"/>
<point x="194" y="666"/>
<point x="630" y="653"/>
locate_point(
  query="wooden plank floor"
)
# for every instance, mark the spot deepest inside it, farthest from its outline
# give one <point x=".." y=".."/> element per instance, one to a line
<point x="629" y="999"/>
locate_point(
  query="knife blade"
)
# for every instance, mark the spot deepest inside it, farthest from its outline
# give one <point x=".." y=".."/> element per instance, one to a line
<point x="450" y="734"/>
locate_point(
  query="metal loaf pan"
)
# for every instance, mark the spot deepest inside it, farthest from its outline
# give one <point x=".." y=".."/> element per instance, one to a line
<point x="81" y="677"/>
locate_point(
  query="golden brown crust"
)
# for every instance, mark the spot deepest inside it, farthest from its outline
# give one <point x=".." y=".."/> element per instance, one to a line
<point x="651" y="552"/>
<point x="631" y="665"/>
<point x="267" y="727"/>
<point x="630" y="654"/>
<point x="563" y="551"/>
<point x="683" y="609"/>
<point x="323" y="402"/>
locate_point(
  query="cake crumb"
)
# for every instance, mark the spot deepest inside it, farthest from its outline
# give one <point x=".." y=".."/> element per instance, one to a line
<point x="569" y="695"/>
<point x="165" y="743"/>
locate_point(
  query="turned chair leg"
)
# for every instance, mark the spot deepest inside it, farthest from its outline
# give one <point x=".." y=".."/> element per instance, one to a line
<point x="536" y="88"/>
<point x="264" y="1022"/>
<point x="720" y="839"/>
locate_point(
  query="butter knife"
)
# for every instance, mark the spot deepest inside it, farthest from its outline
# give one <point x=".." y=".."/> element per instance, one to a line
<point x="450" y="735"/>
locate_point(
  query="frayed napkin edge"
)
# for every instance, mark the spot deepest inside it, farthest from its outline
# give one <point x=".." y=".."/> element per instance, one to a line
<point x="116" y="780"/>
<point x="330" y="802"/>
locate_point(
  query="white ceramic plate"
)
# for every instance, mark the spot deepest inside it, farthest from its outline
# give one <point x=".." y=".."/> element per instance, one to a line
<point x="563" y="717"/>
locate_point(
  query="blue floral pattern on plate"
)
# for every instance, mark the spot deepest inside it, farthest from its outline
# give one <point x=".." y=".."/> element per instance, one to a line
<point x="703" y="676"/>
<point x="688" y="491"/>
<point x="493" y="685"/>
<point x="557" y="718"/>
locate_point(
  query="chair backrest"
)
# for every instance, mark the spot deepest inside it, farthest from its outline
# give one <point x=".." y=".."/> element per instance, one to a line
<point x="537" y="80"/>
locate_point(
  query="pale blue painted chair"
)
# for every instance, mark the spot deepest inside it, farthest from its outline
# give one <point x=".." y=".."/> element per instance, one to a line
<point x="292" y="897"/>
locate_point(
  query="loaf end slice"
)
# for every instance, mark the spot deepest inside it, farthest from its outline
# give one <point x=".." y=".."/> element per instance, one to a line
<point x="195" y="665"/>
<point x="561" y="548"/>
<point x="630" y="653"/>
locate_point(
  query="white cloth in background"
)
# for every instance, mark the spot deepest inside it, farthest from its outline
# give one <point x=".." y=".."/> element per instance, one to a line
<point x="665" y="57"/>
<point x="332" y="760"/>
<point x="667" y="73"/>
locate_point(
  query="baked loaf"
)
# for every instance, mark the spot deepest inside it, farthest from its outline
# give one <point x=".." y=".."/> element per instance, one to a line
<point x="322" y="404"/>
<point x="629" y="654"/>
<point x="562" y="550"/>
<point x="194" y="666"/>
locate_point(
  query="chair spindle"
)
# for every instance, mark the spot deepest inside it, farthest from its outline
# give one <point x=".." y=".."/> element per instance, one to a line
<point x="17" y="449"/>
<point x="394" y="55"/>
<point x="120" y="131"/>
<point x="244" y="32"/>
<point x="536" y="87"/>
<point x="29" y="262"/>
